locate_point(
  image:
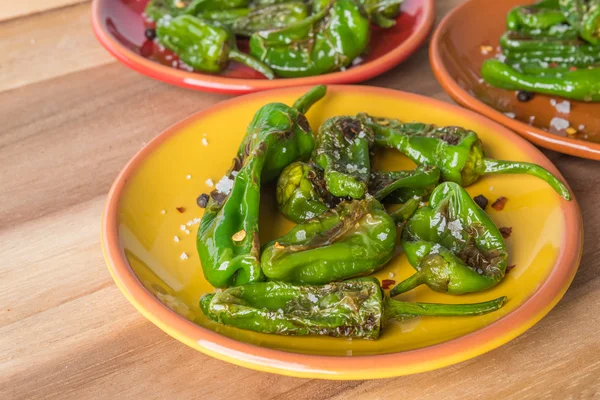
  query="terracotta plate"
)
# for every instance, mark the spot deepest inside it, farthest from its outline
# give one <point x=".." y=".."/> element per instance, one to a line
<point x="456" y="55"/>
<point x="119" y="26"/>
<point x="163" y="278"/>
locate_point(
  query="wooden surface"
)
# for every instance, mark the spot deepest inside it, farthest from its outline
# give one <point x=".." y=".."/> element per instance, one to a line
<point x="70" y="118"/>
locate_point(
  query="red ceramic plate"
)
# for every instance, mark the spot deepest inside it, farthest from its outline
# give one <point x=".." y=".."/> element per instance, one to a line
<point x="119" y="26"/>
<point x="456" y="55"/>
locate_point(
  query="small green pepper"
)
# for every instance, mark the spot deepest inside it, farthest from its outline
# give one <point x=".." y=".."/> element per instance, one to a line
<point x="343" y="151"/>
<point x="382" y="13"/>
<point x="354" y="308"/>
<point x="456" y="151"/>
<point x="582" y="84"/>
<point x="355" y="238"/>
<point x="541" y="15"/>
<point x="400" y="186"/>
<point x="203" y="46"/>
<point x="558" y="32"/>
<point x="453" y="244"/>
<point x="302" y="193"/>
<point x="584" y="16"/>
<point x="325" y="42"/>
<point x="519" y="42"/>
<point x="227" y="240"/>
<point x="156" y="9"/>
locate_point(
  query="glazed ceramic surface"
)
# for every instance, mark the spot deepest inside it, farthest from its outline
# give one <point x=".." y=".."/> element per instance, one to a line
<point x="119" y="26"/>
<point x="146" y="241"/>
<point x="456" y="54"/>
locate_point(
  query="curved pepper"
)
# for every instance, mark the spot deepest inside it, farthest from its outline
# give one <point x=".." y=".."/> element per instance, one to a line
<point x="203" y="46"/>
<point x="246" y="21"/>
<point x="583" y="15"/>
<point x="582" y="84"/>
<point x="541" y="15"/>
<point x="453" y="244"/>
<point x="456" y="151"/>
<point x="517" y="42"/>
<point x="156" y="9"/>
<point x="559" y="32"/>
<point x="354" y="308"/>
<point x="301" y="192"/>
<point x="400" y="186"/>
<point x="355" y="238"/>
<point x="343" y="151"/>
<point x="227" y="240"/>
<point x="325" y="42"/>
<point x="296" y="139"/>
<point x="382" y="13"/>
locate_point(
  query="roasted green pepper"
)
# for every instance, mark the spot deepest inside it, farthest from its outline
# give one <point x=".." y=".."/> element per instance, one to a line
<point x="203" y="46"/>
<point x="227" y="239"/>
<point x="355" y="238"/>
<point x="400" y="186"/>
<point x="456" y="151"/>
<point x="541" y="15"/>
<point x="246" y="21"/>
<point x="156" y="9"/>
<point x="453" y="244"/>
<point x="302" y="194"/>
<point x="583" y="15"/>
<point x="343" y="151"/>
<point x="354" y="308"/>
<point x="325" y="42"/>
<point x="581" y="84"/>
<point x="382" y="13"/>
<point x="296" y="139"/>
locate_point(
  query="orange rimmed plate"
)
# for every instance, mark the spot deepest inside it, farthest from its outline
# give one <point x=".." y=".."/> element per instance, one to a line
<point x="162" y="276"/>
<point x="456" y="55"/>
<point x="119" y="26"/>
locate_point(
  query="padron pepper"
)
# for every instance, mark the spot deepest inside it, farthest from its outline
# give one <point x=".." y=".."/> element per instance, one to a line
<point x="302" y="193"/>
<point x="246" y="21"/>
<point x="227" y="240"/>
<point x="541" y="15"/>
<point x="400" y="186"/>
<point x="456" y="151"/>
<point x="581" y="84"/>
<point x="327" y="41"/>
<point x="355" y="308"/>
<point x="355" y="238"/>
<point x="203" y="46"/>
<point x="382" y="13"/>
<point x="453" y="244"/>
<point x="343" y="151"/>
<point x="289" y="124"/>
<point x="583" y="15"/>
<point x="156" y="9"/>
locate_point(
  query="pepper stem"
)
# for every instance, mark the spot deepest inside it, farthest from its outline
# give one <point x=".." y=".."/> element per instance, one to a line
<point x="304" y="103"/>
<point x="407" y="284"/>
<point x="400" y="310"/>
<point x="405" y="210"/>
<point x="251" y="62"/>
<point x="511" y="167"/>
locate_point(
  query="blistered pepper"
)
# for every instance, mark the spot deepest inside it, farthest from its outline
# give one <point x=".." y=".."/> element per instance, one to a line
<point x="584" y="16"/>
<point x="203" y="46"/>
<point x="581" y="84"/>
<point x="453" y="244"/>
<point x="327" y="41"/>
<point x="382" y="13"/>
<point x="343" y="151"/>
<point x="354" y="308"/>
<point x="541" y="15"/>
<point x="227" y="240"/>
<point x="456" y="151"/>
<point x="302" y="193"/>
<point x="355" y="238"/>
<point x="400" y="186"/>
<point x="156" y="9"/>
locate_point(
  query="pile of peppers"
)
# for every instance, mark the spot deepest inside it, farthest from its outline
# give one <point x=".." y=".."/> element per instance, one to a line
<point x="286" y="38"/>
<point x="551" y="47"/>
<point x="314" y="279"/>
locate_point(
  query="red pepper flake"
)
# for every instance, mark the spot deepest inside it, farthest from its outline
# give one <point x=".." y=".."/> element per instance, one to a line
<point x="573" y="69"/>
<point x="386" y="283"/>
<point x="499" y="203"/>
<point x="180" y="209"/>
<point x="509" y="268"/>
<point x="505" y="231"/>
<point x="553" y="65"/>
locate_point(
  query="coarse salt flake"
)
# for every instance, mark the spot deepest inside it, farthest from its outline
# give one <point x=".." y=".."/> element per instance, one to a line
<point x="301" y="235"/>
<point x="563" y="107"/>
<point x="182" y="227"/>
<point x="204" y="142"/>
<point x="224" y="185"/>
<point x="188" y="176"/>
<point x="163" y="212"/>
<point x="559" y="123"/>
<point x="183" y="256"/>
<point x="312" y="297"/>
<point x="510" y="114"/>
<point x="382" y="236"/>
<point x="176" y="238"/>
<point x="210" y="182"/>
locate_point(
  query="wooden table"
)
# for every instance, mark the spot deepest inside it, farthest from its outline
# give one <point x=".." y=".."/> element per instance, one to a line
<point x="70" y="117"/>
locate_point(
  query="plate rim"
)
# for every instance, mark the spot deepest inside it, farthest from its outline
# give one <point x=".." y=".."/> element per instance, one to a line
<point x="220" y="84"/>
<point x="566" y="145"/>
<point x="337" y="367"/>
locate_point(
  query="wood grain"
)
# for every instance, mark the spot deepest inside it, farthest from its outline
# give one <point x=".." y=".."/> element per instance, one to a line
<point x="67" y="127"/>
<point x="14" y="9"/>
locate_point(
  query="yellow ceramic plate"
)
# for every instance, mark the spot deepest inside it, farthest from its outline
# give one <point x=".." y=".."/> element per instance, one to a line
<point x="150" y="246"/>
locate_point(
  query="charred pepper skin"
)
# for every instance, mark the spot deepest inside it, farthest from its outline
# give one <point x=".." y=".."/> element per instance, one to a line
<point x="227" y="239"/>
<point x="541" y="15"/>
<point x="203" y="46"/>
<point x="356" y="238"/>
<point x="355" y="308"/>
<point x="296" y="138"/>
<point x="398" y="187"/>
<point x="343" y="151"/>
<point x="456" y="151"/>
<point x="328" y="40"/>
<point x="156" y="9"/>
<point x="584" y="16"/>
<point x="582" y="84"/>
<point x="453" y="244"/>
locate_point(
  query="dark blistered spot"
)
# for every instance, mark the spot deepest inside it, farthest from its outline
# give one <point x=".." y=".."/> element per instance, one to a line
<point x="481" y="201"/>
<point x="303" y="123"/>
<point x="505" y="231"/>
<point x="202" y="200"/>
<point x="218" y="197"/>
<point x="350" y="127"/>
